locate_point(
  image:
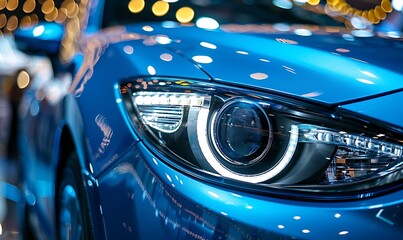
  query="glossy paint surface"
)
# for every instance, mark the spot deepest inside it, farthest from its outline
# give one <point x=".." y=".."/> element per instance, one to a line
<point x="133" y="194"/>
<point x="181" y="207"/>
<point x="370" y="108"/>
<point x="49" y="32"/>
<point x="325" y="67"/>
<point x="122" y="56"/>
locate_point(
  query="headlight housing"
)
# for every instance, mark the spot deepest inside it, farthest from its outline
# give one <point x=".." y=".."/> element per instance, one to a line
<point x="262" y="139"/>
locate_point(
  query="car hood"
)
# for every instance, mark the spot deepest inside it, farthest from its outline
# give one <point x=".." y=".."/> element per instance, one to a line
<point x="312" y="63"/>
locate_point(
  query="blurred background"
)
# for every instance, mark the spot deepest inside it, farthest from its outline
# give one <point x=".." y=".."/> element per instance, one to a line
<point x="17" y="69"/>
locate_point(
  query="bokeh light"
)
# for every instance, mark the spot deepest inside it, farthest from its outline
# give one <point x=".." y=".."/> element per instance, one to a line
<point x="48" y="6"/>
<point x="373" y="15"/>
<point x="23" y="79"/>
<point x="12" y="5"/>
<point x="136" y="6"/>
<point x="3" y="20"/>
<point x="3" y="4"/>
<point x="386" y="6"/>
<point x="29" y="6"/>
<point x="160" y="8"/>
<point x="29" y="12"/>
<point x="25" y="21"/>
<point x="62" y="16"/>
<point x="50" y="17"/>
<point x="12" y="23"/>
<point x="314" y="2"/>
<point x="185" y="15"/>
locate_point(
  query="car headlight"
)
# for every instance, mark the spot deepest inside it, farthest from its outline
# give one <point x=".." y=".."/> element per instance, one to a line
<point x="264" y="139"/>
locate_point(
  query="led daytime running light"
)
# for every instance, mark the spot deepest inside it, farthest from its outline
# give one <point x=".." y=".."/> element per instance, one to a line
<point x="164" y="111"/>
<point x="255" y="178"/>
<point x="311" y="133"/>
<point x="168" y="99"/>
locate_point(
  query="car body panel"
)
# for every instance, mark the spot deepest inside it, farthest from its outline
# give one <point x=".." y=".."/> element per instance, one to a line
<point x="52" y="104"/>
<point x="178" y="206"/>
<point x="371" y="109"/>
<point x="124" y="53"/>
<point x="135" y="194"/>
<point x="112" y="153"/>
<point x="324" y="67"/>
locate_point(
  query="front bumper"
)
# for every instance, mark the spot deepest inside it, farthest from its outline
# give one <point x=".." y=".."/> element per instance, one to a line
<point x="143" y="198"/>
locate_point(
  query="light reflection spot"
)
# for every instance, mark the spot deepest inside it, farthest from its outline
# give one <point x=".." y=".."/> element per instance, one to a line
<point x="348" y="37"/>
<point x="338" y="215"/>
<point x="280" y="226"/>
<point x="288" y="69"/>
<point x="169" y="24"/>
<point x="242" y="52"/>
<point x="358" y="60"/>
<point x="306" y="231"/>
<point x="303" y="32"/>
<point x="287" y="41"/>
<point x="38" y="30"/>
<point x="369" y="74"/>
<point x="202" y="59"/>
<point x="393" y="34"/>
<point x="163" y="40"/>
<point x="91" y="169"/>
<point x="208" y="45"/>
<point x="148" y="28"/>
<point x="343" y="233"/>
<point x="128" y="49"/>
<point x="259" y="76"/>
<point x="366" y="81"/>
<point x="236" y="195"/>
<point x="284" y="4"/>
<point x="207" y="23"/>
<point x="166" y="57"/>
<point x="151" y="70"/>
<point x="297" y="218"/>
<point x="264" y="60"/>
<point x="363" y="33"/>
<point x="312" y="94"/>
<point x="342" y="50"/>
<point x="215" y="195"/>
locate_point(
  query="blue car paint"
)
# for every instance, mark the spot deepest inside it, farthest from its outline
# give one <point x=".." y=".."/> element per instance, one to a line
<point x="109" y="68"/>
<point x="306" y="67"/>
<point x="95" y="149"/>
<point x="160" y="202"/>
<point x="132" y="195"/>
<point x="49" y="32"/>
<point x="390" y="113"/>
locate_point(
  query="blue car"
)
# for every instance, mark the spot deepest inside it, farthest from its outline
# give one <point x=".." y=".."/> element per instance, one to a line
<point x="167" y="130"/>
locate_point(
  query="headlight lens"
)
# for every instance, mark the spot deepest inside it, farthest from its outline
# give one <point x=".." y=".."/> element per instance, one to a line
<point x="241" y="132"/>
<point x="261" y="139"/>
